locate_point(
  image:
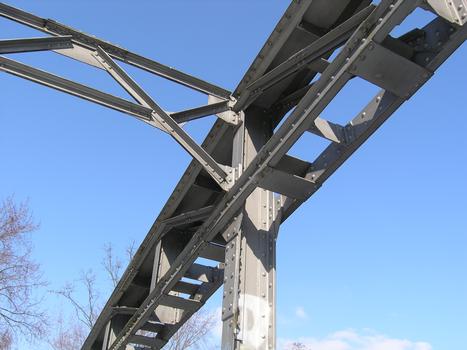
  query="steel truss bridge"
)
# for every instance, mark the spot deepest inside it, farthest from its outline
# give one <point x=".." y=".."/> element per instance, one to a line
<point x="241" y="185"/>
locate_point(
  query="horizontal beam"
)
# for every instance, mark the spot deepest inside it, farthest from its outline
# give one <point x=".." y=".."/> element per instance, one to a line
<point x="123" y="310"/>
<point x="188" y="217"/>
<point x="200" y="112"/>
<point x="179" y="302"/>
<point x="328" y="130"/>
<point x="163" y="119"/>
<point x="287" y="184"/>
<point x="186" y="288"/>
<point x="213" y="252"/>
<point x="58" y="83"/>
<point x="90" y="42"/>
<point x="202" y="273"/>
<point x="152" y="343"/>
<point x="35" y="44"/>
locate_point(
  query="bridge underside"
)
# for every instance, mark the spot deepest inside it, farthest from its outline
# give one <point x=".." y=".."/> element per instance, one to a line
<point x="219" y="226"/>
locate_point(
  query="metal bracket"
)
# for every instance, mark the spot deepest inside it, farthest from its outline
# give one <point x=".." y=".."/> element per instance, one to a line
<point x="230" y="117"/>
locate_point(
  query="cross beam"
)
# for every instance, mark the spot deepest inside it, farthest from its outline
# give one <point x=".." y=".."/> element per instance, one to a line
<point x="233" y="221"/>
<point x="91" y="43"/>
<point x="35" y="44"/>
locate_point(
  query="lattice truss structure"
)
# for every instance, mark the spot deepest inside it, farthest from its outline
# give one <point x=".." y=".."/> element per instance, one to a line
<point x="242" y="184"/>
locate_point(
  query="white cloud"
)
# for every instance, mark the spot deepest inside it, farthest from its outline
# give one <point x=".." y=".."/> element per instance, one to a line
<point x="301" y="313"/>
<point x="352" y="340"/>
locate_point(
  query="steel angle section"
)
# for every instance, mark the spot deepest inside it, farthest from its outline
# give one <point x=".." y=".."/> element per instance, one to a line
<point x="213" y="252"/>
<point x="90" y="42"/>
<point x="389" y="70"/>
<point x="35" y="44"/>
<point x="189" y="217"/>
<point x="328" y="130"/>
<point x="179" y="303"/>
<point x="58" y="83"/>
<point x="203" y="273"/>
<point x="186" y="288"/>
<point x="293" y="165"/>
<point x="153" y="343"/>
<point x="200" y="112"/>
<point x="289" y="185"/>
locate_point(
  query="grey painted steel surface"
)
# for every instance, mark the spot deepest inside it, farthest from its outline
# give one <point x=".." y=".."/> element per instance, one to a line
<point x="162" y="119"/>
<point x="248" y="306"/>
<point x="91" y="43"/>
<point x="211" y="234"/>
<point x="453" y="10"/>
<point x="35" y="44"/>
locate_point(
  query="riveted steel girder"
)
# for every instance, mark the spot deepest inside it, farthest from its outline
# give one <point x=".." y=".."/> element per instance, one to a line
<point x="205" y="237"/>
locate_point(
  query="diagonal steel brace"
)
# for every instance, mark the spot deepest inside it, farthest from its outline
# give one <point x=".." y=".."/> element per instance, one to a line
<point x="161" y="119"/>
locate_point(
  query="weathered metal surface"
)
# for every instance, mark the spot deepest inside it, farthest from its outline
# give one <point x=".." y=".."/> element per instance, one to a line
<point x="211" y="234"/>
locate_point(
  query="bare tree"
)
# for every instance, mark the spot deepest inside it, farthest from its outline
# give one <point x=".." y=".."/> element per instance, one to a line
<point x="5" y="341"/>
<point x="130" y="251"/>
<point x="195" y="333"/>
<point x="69" y="336"/>
<point x="112" y="264"/>
<point x="87" y="311"/>
<point x="20" y="278"/>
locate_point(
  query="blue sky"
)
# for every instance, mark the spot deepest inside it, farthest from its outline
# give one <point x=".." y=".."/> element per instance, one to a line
<point x="380" y="252"/>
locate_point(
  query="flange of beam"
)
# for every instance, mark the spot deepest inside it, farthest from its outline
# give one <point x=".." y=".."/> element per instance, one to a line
<point x="44" y="78"/>
<point x="275" y="42"/>
<point x="35" y="44"/>
<point x="200" y="112"/>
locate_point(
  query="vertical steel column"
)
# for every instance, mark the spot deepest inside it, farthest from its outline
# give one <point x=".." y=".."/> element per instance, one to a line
<point x="249" y="285"/>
